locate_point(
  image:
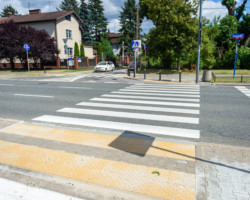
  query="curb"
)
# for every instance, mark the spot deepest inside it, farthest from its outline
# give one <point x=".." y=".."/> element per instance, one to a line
<point x="61" y="185"/>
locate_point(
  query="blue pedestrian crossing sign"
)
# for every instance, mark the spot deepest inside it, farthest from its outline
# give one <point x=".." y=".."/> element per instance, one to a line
<point x="136" y="44"/>
<point x="26" y="47"/>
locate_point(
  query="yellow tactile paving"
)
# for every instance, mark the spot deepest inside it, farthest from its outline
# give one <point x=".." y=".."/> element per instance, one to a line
<point x="130" y="177"/>
<point x="172" y="82"/>
<point x="157" y="148"/>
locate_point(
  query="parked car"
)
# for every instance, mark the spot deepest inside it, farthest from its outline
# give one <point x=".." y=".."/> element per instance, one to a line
<point x="131" y="66"/>
<point x="105" y="66"/>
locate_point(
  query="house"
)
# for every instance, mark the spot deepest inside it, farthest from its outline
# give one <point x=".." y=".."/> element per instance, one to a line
<point x="64" y="26"/>
<point x="115" y="42"/>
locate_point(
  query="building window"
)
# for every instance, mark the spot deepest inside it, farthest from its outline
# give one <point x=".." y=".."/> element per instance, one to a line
<point x="68" y="17"/>
<point x="70" y="51"/>
<point x="68" y="34"/>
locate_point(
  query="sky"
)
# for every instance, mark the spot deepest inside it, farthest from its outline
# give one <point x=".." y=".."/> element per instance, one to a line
<point x="112" y="10"/>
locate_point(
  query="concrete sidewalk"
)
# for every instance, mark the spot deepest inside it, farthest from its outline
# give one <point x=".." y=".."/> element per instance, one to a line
<point x="129" y="166"/>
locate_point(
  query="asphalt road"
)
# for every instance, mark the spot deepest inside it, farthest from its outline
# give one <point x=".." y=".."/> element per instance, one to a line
<point x="224" y="111"/>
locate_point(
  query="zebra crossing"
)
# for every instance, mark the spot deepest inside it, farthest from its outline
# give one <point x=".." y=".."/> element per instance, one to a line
<point x="244" y="90"/>
<point x="102" y="75"/>
<point x="169" y="110"/>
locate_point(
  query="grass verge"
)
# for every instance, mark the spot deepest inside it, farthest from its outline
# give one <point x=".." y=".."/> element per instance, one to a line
<point x="232" y="80"/>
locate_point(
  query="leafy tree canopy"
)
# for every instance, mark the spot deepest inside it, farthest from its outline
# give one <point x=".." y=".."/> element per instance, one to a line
<point x="8" y="10"/>
<point x="84" y="14"/>
<point x="69" y="5"/>
<point x="97" y="19"/>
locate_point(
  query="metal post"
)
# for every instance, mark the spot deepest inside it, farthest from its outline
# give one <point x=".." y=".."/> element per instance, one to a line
<point x="145" y="64"/>
<point x="123" y="53"/>
<point x="135" y="65"/>
<point x="199" y="45"/>
<point x="160" y="76"/>
<point x="179" y="76"/>
<point x="28" y="60"/>
<point x="242" y="78"/>
<point x="235" y="60"/>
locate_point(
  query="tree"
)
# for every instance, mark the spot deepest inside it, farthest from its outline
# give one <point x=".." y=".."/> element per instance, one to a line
<point x="13" y="37"/>
<point x="244" y="27"/>
<point x="105" y="47"/>
<point x="86" y="26"/>
<point x="76" y="50"/>
<point x="228" y="26"/>
<point x="231" y="7"/>
<point x="8" y="10"/>
<point x="82" y="53"/>
<point x="175" y="23"/>
<point x="69" y="5"/>
<point x="128" y="24"/>
<point x="97" y="19"/>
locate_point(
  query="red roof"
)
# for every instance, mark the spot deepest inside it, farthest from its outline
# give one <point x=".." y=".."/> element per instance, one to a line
<point x="39" y="17"/>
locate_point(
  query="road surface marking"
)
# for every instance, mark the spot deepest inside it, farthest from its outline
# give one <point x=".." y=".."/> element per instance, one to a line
<point x="178" y="132"/>
<point x="134" y="145"/>
<point x="164" y="88"/>
<point x="153" y="98"/>
<point x="244" y="90"/>
<point x="159" y="91"/>
<point x="146" y="108"/>
<point x="83" y="88"/>
<point x="154" y="94"/>
<point x="120" y="175"/>
<point x="166" y="118"/>
<point x="147" y="102"/>
<point x="7" y="84"/>
<point x="30" y="95"/>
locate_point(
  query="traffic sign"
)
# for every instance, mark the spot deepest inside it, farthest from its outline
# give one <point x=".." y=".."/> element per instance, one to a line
<point x="136" y="44"/>
<point x="145" y="47"/>
<point x="237" y="36"/>
<point x="26" y="47"/>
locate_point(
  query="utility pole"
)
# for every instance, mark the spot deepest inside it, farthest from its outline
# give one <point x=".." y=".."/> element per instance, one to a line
<point x="137" y="22"/>
<point x="199" y="45"/>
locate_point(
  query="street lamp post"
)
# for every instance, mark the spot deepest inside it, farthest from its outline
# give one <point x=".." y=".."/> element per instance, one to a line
<point x="199" y="44"/>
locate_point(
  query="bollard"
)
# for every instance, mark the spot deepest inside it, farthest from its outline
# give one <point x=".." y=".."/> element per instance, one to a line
<point x="242" y="78"/>
<point x="128" y="72"/>
<point x="134" y="71"/>
<point x="144" y="73"/>
<point x="160" y="76"/>
<point x="44" y="69"/>
<point x="180" y="76"/>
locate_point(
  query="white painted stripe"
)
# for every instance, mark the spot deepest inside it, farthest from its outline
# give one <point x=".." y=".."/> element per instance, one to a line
<point x="172" y="85"/>
<point x="155" y="91"/>
<point x="83" y="88"/>
<point x="165" y="118"/>
<point x="147" y="102"/>
<point x="7" y="84"/>
<point x="110" y="82"/>
<point x="164" y="89"/>
<point x="178" y="132"/>
<point x="154" y="94"/>
<point x="30" y="95"/>
<point x="146" y="108"/>
<point x="78" y="77"/>
<point x="161" y="87"/>
<point x="153" y="98"/>
<point x="11" y="190"/>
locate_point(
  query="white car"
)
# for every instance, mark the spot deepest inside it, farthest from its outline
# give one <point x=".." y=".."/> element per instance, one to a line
<point x="105" y="66"/>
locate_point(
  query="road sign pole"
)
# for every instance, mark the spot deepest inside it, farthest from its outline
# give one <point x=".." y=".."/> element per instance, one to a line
<point x="135" y="65"/>
<point x="235" y="59"/>
<point x="28" y="60"/>
<point x="145" y="64"/>
<point x="199" y="45"/>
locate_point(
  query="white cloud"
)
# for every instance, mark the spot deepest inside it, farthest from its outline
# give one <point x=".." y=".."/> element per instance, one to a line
<point x="146" y="25"/>
<point x="110" y="10"/>
<point x="114" y="25"/>
<point x="211" y="13"/>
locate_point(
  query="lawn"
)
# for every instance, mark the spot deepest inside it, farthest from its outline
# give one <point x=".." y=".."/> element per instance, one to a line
<point x="232" y="80"/>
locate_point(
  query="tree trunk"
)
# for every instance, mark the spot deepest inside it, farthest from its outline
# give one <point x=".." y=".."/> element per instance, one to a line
<point x="246" y="41"/>
<point x="12" y="64"/>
